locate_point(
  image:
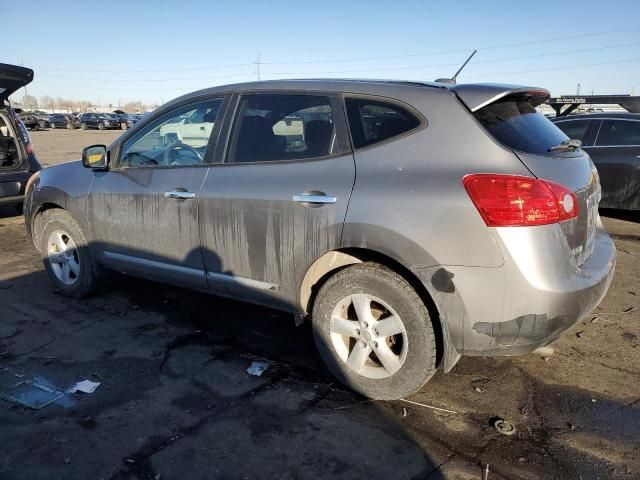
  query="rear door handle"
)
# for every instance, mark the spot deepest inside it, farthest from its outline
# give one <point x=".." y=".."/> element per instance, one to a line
<point x="316" y="198"/>
<point x="179" y="195"/>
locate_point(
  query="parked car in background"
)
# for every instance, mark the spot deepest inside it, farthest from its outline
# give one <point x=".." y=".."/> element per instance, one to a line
<point x="57" y="120"/>
<point x="28" y="119"/>
<point x="122" y="116"/>
<point x="613" y="142"/>
<point x="43" y="118"/>
<point x="18" y="162"/>
<point x="132" y="119"/>
<point x="471" y="227"/>
<point x="101" y="121"/>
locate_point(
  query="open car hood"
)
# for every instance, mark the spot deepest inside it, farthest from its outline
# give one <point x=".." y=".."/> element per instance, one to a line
<point x="13" y="77"/>
<point x="478" y="95"/>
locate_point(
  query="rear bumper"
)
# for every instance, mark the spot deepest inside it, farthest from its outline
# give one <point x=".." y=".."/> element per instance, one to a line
<point x="529" y="301"/>
<point x="12" y="188"/>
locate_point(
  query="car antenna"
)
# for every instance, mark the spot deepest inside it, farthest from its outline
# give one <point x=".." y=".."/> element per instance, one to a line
<point x="452" y="80"/>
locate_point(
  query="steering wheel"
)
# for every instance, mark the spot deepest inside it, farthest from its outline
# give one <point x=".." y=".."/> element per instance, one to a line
<point x="166" y="160"/>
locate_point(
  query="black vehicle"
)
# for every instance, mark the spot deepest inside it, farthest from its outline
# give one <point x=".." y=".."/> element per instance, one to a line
<point x="132" y="119"/>
<point x="122" y="116"/>
<point x="57" y="120"/>
<point x="613" y="142"/>
<point x="101" y="121"/>
<point x="29" y="119"/>
<point x="43" y="118"/>
<point x="17" y="160"/>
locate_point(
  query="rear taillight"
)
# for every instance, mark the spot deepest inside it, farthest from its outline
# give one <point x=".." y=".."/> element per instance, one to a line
<point x="515" y="201"/>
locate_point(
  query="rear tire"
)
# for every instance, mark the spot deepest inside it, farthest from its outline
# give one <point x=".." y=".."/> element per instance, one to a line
<point x="66" y="256"/>
<point x="352" y="348"/>
<point x="52" y="125"/>
<point x="83" y="126"/>
<point x="100" y="126"/>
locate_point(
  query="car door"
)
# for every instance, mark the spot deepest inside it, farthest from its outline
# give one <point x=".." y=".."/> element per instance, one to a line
<point x="276" y="198"/>
<point x="143" y="211"/>
<point x="616" y="154"/>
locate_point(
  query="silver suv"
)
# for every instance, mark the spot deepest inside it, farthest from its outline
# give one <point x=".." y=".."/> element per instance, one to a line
<point x="412" y="222"/>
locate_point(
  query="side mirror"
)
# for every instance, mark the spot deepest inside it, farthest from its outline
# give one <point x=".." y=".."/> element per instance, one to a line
<point x="95" y="157"/>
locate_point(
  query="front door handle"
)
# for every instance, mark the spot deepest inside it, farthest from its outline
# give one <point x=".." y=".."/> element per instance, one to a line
<point x="179" y="195"/>
<point x="314" y="198"/>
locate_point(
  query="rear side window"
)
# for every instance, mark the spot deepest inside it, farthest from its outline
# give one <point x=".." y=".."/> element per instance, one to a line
<point x="618" y="133"/>
<point x="575" y="129"/>
<point x="514" y="122"/>
<point x="373" y="121"/>
<point x="272" y="127"/>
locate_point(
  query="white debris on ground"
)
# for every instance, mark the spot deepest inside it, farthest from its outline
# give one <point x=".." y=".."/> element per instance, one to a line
<point x="257" y="368"/>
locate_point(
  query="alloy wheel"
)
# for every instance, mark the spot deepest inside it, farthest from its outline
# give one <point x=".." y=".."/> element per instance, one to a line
<point x="63" y="257"/>
<point x="368" y="335"/>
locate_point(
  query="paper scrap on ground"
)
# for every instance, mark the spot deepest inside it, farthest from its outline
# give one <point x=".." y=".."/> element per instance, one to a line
<point x="257" y="368"/>
<point x="85" y="386"/>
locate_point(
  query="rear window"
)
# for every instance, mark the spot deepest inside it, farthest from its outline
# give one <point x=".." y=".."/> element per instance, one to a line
<point x="372" y="121"/>
<point x="514" y="122"/>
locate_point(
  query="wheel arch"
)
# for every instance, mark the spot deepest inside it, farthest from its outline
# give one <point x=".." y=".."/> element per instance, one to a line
<point x="35" y="225"/>
<point x="336" y="260"/>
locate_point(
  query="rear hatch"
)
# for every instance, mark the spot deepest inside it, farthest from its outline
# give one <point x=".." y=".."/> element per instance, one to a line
<point x="508" y="114"/>
<point x="13" y="77"/>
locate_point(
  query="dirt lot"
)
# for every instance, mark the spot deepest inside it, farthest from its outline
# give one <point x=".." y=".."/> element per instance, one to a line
<point x="175" y="400"/>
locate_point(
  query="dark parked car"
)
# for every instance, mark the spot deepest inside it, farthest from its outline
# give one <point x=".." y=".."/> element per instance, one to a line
<point x="132" y="119"/>
<point x="101" y="121"/>
<point x="613" y="142"/>
<point x="460" y="234"/>
<point x="17" y="160"/>
<point x="43" y="119"/>
<point x="28" y="119"/>
<point x="58" y="120"/>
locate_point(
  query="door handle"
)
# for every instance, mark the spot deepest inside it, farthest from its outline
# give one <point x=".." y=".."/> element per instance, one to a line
<point x="179" y="195"/>
<point x="315" y="198"/>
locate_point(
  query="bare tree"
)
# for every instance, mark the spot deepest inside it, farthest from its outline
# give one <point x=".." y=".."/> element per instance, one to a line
<point x="48" y="102"/>
<point x="29" y="102"/>
<point x="131" y="106"/>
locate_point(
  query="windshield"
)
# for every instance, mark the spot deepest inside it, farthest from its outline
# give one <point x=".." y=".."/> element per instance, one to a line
<point x="514" y="122"/>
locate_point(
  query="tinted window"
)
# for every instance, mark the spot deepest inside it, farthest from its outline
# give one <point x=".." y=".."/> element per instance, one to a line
<point x="372" y="121"/>
<point x="619" y="132"/>
<point x="515" y="123"/>
<point x="282" y="127"/>
<point x="574" y="128"/>
<point x="171" y="140"/>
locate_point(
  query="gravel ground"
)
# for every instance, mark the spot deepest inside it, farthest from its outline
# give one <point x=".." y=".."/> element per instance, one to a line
<point x="175" y="400"/>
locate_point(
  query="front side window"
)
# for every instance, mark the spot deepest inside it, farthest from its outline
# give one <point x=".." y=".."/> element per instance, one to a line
<point x="271" y="127"/>
<point x="618" y="133"/>
<point x="177" y="139"/>
<point x="373" y="121"/>
<point x="575" y="129"/>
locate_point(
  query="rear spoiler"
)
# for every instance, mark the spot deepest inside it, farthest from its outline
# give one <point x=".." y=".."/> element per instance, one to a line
<point x="478" y="95"/>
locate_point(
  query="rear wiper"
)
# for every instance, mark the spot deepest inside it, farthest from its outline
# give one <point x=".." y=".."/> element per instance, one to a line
<point x="569" y="144"/>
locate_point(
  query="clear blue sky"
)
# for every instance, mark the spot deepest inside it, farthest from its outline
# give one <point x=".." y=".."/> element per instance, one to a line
<point x="119" y="51"/>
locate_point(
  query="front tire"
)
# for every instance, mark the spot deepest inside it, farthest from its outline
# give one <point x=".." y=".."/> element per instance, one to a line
<point x="374" y="332"/>
<point x="66" y="256"/>
<point x="83" y="126"/>
<point x="100" y="126"/>
<point x="52" y="125"/>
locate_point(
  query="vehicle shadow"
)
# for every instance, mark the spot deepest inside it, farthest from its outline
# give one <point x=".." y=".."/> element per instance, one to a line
<point x="295" y="420"/>
<point x="627" y="215"/>
<point x="194" y="349"/>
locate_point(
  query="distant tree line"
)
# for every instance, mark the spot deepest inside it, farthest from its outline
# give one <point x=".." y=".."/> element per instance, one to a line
<point x="29" y="102"/>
